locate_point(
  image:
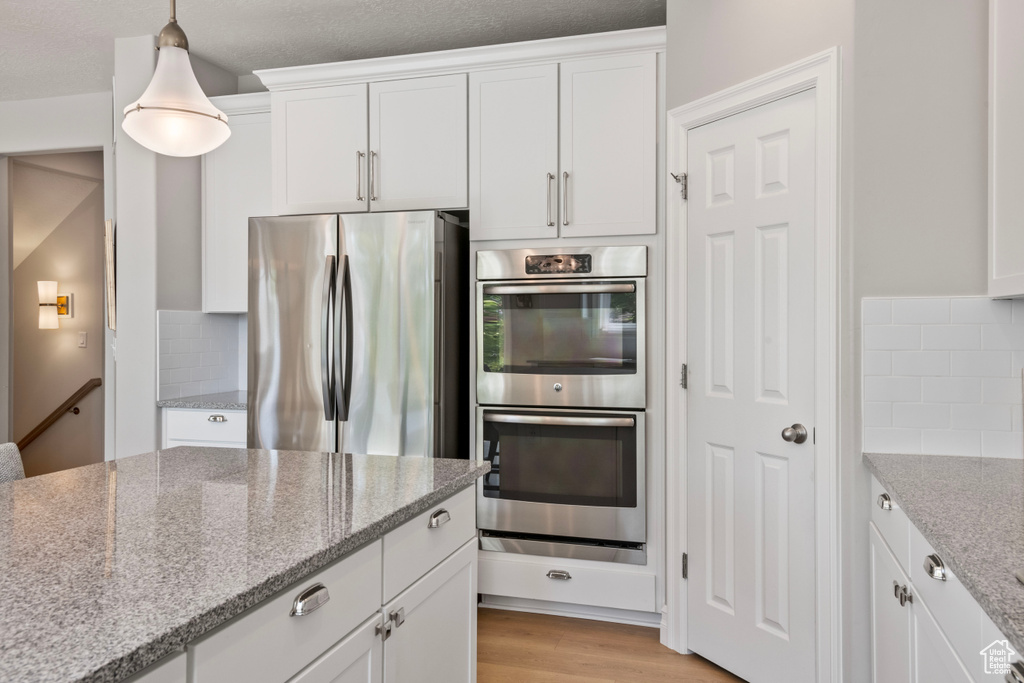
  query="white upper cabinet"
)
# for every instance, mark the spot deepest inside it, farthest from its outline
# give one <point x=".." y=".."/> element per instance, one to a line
<point x="566" y="149"/>
<point x="608" y="146"/>
<point x="1006" y="149"/>
<point x="418" y="144"/>
<point x="236" y="185"/>
<point x="513" y="163"/>
<point x="320" y="137"/>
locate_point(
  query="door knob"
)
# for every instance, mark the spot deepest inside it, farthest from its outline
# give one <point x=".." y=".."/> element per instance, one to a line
<point x="795" y="434"/>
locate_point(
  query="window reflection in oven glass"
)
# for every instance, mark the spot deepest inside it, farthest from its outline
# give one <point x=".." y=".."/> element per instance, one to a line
<point x="560" y="464"/>
<point x="560" y="333"/>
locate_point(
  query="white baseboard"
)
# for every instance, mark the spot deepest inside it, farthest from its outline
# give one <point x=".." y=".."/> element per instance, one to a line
<point x="561" y="609"/>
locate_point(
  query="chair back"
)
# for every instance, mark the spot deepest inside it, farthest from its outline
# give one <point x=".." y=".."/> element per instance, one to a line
<point x="11" y="468"/>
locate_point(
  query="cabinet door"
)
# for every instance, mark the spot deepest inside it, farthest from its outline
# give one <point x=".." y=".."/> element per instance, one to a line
<point x="318" y="137"/>
<point x="934" y="658"/>
<point x="890" y="623"/>
<point x="236" y="185"/>
<point x="513" y="153"/>
<point x="434" y="638"/>
<point x="356" y="659"/>
<point x="608" y="146"/>
<point x="418" y="141"/>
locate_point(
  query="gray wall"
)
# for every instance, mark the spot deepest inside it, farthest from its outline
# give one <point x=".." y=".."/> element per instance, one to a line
<point x="912" y="190"/>
<point x="48" y="364"/>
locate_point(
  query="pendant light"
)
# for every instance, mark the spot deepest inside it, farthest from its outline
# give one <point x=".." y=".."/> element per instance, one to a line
<point x="174" y="117"/>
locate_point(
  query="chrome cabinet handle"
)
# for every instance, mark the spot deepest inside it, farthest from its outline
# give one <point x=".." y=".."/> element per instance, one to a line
<point x="310" y="600"/>
<point x="438" y="518"/>
<point x="1016" y="674"/>
<point x="216" y="418"/>
<point x="397" y="616"/>
<point x="559" y="574"/>
<point x="795" y="434"/>
<point x="551" y="222"/>
<point x="896" y="589"/>
<point x="359" y="175"/>
<point x="905" y="596"/>
<point x="373" y="182"/>
<point x="565" y="198"/>
<point x="935" y="567"/>
<point x="885" y="502"/>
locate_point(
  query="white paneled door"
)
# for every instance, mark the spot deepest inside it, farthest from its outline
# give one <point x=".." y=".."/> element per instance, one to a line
<point x="750" y="345"/>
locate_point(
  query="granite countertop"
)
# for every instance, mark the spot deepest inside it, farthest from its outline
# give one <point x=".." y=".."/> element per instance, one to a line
<point x="107" y="568"/>
<point x="971" y="510"/>
<point x="225" y="400"/>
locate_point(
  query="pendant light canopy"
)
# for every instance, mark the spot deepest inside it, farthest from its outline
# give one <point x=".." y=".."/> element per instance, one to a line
<point x="174" y="116"/>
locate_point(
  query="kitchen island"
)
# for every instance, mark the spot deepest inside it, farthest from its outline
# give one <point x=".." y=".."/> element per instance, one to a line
<point x="106" y="569"/>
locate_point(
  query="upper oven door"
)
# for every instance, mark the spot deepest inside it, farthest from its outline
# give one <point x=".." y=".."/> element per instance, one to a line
<point x="562" y="343"/>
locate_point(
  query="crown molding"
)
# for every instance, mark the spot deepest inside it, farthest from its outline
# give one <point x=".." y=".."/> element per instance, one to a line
<point x="467" y="59"/>
<point x="245" y="103"/>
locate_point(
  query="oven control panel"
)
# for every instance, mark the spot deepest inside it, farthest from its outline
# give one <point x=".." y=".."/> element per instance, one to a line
<point x="552" y="264"/>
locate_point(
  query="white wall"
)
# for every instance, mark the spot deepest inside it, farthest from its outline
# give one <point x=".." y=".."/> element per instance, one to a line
<point x="58" y="124"/>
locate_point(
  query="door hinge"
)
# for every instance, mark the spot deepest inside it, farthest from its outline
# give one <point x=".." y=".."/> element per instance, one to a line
<point x="686" y="569"/>
<point x="684" y="379"/>
<point x="682" y="179"/>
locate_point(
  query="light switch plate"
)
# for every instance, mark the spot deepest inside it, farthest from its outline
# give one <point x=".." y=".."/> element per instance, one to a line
<point x="83" y="340"/>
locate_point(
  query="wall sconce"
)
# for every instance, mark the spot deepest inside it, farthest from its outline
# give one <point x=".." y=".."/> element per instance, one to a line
<point x="52" y="306"/>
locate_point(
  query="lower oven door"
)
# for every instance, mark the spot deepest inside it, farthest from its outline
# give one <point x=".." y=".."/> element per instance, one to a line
<point x="566" y="473"/>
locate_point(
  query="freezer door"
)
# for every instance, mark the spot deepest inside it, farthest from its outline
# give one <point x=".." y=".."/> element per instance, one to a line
<point x="292" y="292"/>
<point x="391" y="386"/>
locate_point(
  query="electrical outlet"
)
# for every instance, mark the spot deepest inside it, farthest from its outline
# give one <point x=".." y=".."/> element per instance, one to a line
<point x="83" y="340"/>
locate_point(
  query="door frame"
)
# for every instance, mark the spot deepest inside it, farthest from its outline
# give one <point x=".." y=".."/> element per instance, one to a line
<point x="819" y="72"/>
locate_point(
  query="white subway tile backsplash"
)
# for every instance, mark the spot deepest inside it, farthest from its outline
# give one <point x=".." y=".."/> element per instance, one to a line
<point x="877" y="414"/>
<point x="943" y="376"/>
<point x="980" y="363"/>
<point x="892" y="337"/>
<point x="877" y="363"/>
<point x="901" y="389"/>
<point x="951" y="389"/>
<point x="199" y="353"/>
<point x="920" y="363"/>
<point x="920" y="415"/>
<point x="975" y="310"/>
<point x="877" y="311"/>
<point x="952" y="337"/>
<point x="920" y="311"/>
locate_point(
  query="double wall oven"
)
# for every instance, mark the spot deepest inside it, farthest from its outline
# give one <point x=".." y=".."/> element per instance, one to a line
<point x="561" y="388"/>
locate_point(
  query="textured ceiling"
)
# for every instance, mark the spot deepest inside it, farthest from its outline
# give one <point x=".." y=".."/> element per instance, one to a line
<point x="66" y="47"/>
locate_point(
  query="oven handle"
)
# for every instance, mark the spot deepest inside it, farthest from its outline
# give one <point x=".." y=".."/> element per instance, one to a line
<point x="567" y="421"/>
<point x="561" y="289"/>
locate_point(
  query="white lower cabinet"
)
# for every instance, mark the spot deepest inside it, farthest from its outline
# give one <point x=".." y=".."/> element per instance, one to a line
<point x="433" y="625"/>
<point x="425" y="634"/>
<point x="925" y="626"/>
<point x="170" y="669"/>
<point x="190" y="427"/>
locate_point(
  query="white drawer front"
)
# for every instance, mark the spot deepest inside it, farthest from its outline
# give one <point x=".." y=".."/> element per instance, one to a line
<point x="414" y="548"/>
<point x="195" y="425"/>
<point x="956" y="612"/>
<point x="892" y="524"/>
<point x="170" y="669"/>
<point x="504" y="576"/>
<point x="268" y="645"/>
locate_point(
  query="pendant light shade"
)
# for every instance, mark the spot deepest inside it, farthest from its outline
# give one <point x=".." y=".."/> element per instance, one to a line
<point x="174" y="117"/>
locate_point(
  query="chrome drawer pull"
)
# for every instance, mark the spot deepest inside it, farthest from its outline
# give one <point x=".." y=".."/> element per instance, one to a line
<point x="217" y="418"/>
<point x="438" y="518"/>
<point x="905" y="596"/>
<point x="1016" y="674"/>
<point x="397" y="616"/>
<point x="309" y="600"/>
<point x="885" y="502"/>
<point x="935" y="567"/>
<point x="559" y="574"/>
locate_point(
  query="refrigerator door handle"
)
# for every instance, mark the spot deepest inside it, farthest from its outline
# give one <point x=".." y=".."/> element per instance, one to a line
<point x="343" y="380"/>
<point x="326" y="376"/>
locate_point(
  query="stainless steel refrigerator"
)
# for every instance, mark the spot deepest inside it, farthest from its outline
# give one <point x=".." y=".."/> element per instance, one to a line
<point x="358" y="327"/>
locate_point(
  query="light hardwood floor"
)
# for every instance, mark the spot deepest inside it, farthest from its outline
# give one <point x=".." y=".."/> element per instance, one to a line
<point x="515" y="647"/>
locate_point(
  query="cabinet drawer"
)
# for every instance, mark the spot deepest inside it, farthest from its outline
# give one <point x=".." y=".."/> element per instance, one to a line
<point x="268" y="645"/>
<point x="892" y="524"/>
<point x="411" y="550"/>
<point x="170" y="669"/>
<point x="195" y="425"/>
<point x="956" y="612"/>
<point x="511" y="577"/>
